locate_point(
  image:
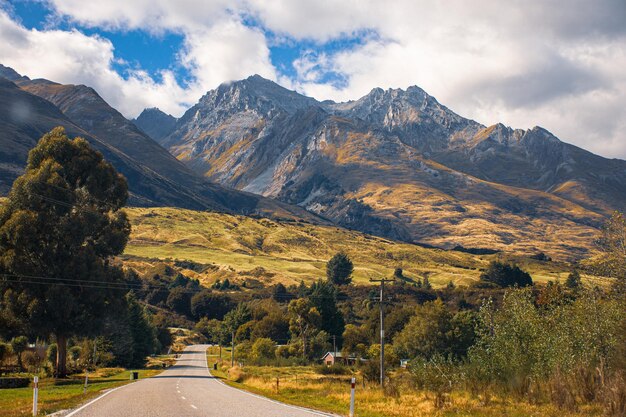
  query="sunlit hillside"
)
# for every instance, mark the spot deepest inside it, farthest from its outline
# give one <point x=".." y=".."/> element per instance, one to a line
<point x="244" y="248"/>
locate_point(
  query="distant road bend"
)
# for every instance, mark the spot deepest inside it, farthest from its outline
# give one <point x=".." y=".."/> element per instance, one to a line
<point x="186" y="389"/>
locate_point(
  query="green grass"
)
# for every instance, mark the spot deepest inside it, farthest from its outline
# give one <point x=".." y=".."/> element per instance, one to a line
<point x="290" y="252"/>
<point x="61" y="394"/>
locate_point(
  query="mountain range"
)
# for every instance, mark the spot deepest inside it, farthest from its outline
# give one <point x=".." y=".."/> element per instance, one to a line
<point x="399" y="164"/>
<point x="30" y="108"/>
<point x="395" y="163"/>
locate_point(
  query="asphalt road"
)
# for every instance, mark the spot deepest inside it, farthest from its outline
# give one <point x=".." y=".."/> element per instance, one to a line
<point x="186" y="389"/>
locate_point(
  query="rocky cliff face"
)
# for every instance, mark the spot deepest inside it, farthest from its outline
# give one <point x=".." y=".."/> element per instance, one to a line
<point x="399" y="164"/>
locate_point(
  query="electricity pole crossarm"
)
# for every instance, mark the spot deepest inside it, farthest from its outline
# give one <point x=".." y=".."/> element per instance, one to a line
<point x="381" y="302"/>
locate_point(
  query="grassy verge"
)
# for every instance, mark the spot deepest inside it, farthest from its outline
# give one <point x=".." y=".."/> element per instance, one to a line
<point x="64" y="394"/>
<point x="302" y="386"/>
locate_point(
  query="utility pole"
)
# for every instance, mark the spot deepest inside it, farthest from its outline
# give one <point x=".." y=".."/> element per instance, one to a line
<point x="334" y="348"/>
<point x="232" y="348"/>
<point x="382" y="302"/>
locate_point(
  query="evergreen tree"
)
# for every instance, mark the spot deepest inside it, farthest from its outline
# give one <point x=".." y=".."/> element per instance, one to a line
<point x="339" y="269"/>
<point x="63" y="222"/>
<point x="142" y="332"/>
<point x="573" y="280"/>
<point x="323" y="296"/>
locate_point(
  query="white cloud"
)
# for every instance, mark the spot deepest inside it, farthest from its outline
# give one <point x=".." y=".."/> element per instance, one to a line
<point x="522" y="62"/>
<point x="71" y="57"/>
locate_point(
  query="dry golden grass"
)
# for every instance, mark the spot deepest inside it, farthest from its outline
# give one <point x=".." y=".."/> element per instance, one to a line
<point x="302" y="386"/>
<point x="290" y="252"/>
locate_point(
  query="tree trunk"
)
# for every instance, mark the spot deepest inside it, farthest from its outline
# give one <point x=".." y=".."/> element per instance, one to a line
<point x="61" y="368"/>
<point x="20" y="365"/>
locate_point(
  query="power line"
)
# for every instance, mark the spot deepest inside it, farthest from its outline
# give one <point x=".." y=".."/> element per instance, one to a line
<point x="124" y="285"/>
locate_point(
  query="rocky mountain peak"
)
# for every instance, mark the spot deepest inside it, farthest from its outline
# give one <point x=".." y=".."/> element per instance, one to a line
<point x="255" y="93"/>
<point x="155" y="123"/>
<point x="11" y="75"/>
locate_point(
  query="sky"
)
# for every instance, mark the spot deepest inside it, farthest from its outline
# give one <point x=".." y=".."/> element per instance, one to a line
<point x="552" y="63"/>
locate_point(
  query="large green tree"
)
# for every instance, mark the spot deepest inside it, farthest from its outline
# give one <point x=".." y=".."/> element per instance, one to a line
<point x="339" y="269"/>
<point x="304" y="321"/>
<point x="58" y="231"/>
<point x="323" y="296"/>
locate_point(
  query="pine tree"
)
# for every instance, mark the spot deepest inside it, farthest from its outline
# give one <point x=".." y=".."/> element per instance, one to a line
<point x="339" y="269"/>
<point x="573" y="280"/>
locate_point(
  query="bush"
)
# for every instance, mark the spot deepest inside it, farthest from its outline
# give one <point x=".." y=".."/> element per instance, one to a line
<point x="437" y="374"/>
<point x="32" y="361"/>
<point x="5" y="351"/>
<point x="506" y="275"/>
<point x="236" y="374"/>
<point x="336" y="369"/>
<point x="51" y="354"/>
<point x="521" y="342"/>
<point x="10" y="382"/>
<point x="263" y="349"/>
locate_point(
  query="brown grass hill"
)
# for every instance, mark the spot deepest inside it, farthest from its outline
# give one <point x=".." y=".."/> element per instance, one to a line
<point x="158" y="179"/>
<point x="373" y="165"/>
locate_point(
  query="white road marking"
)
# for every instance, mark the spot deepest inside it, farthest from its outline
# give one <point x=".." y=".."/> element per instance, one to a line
<point x="94" y="400"/>
<point x="183" y="398"/>
<point x="194" y="407"/>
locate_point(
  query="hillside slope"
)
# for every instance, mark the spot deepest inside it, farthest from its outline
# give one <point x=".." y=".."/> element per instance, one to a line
<point x="265" y="251"/>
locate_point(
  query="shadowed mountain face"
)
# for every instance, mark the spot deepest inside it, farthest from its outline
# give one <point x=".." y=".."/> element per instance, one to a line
<point x="399" y="164"/>
<point x="31" y="108"/>
<point x="155" y="123"/>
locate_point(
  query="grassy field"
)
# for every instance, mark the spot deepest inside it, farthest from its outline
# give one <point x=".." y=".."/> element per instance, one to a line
<point x="240" y="247"/>
<point x="304" y="387"/>
<point x="64" y="394"/>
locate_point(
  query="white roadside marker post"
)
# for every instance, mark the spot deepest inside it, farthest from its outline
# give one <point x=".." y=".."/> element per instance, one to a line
<point x="86" y="381"/>
<point x="353" y="384"/>
<point x="35" y="394"/>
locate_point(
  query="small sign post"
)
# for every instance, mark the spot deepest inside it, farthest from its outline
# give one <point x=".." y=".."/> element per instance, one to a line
<point x="353" y="385"/>
<point x="35" y="394"/>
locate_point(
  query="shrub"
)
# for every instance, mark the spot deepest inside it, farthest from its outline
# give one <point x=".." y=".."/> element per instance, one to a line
<point x="506" y="275"/>
<point x="263" y="348"/>
<point x="32" y="361"/>
<point x="336" y="369"/>
<point x="236" y="374"/>
<point x="5" y="351"/>
<point x="51" y="353"/>
<point x="11" y="382"/>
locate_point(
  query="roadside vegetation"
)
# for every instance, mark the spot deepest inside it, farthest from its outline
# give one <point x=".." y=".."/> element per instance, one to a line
<point x="88" y="285"/>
